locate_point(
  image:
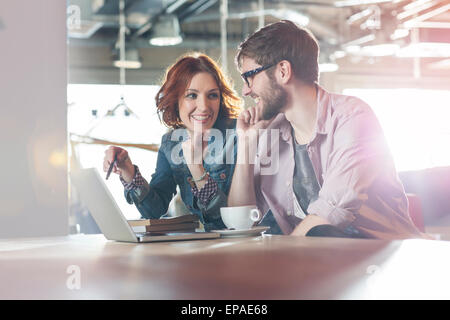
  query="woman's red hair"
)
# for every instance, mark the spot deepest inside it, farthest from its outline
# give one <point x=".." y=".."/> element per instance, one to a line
<point x="178" y="77"/>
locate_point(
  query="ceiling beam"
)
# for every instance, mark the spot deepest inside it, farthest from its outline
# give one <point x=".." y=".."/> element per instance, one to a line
<point x="196" y="8"/>
<point x="410" y="11"/>
<point x="427" y="15"/>
<point x="352" y="3"/>
<point x="430" y="24"/>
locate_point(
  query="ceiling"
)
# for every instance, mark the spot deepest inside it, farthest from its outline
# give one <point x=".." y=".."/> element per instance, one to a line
<point x="345" y="28"/>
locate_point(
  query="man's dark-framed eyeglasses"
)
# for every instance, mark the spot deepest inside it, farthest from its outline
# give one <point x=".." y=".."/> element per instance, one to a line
<point x="254" y="72"/>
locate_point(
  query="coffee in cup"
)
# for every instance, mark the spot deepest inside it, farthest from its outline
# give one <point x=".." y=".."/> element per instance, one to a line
<point x="240" y="218"/>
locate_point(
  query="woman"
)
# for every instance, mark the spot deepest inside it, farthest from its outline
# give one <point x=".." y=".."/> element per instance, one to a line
<point x="198" y="154"/>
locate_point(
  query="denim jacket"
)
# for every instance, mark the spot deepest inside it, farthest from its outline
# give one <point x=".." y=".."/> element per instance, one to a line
<point x="153" y="200"/>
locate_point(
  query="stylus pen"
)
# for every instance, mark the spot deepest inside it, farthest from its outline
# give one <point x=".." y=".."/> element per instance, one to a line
<point x="111" y="166"/>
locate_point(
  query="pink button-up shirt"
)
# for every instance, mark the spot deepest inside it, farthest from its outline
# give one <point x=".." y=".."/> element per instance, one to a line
<point x="355" y="170"/>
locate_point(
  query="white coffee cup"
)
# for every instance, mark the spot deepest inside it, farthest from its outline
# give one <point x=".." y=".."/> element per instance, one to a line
<point x="240" y="218"/>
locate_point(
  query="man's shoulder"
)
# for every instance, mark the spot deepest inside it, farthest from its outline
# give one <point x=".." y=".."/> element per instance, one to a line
<point x="343" y="106"/>
<point x="336" y="108"/>
<point x="352" y="116"/>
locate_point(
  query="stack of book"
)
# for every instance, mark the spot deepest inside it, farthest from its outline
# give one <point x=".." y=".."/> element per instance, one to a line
<point x="185" y="223"/>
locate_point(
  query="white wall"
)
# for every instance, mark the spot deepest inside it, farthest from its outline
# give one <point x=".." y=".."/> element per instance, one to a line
<point x="33" y="119"/>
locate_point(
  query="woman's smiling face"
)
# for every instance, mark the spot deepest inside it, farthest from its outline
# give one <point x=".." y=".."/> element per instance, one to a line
<point x="199" y="104"/>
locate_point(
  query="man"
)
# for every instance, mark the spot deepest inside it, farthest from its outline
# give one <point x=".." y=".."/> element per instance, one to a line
<point x="335" y="174"/>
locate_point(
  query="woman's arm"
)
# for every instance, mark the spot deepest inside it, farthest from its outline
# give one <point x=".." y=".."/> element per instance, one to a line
<point x="152" y="200"/>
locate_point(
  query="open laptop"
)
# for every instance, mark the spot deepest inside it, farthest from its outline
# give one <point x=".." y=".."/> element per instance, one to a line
<point x="96" y="196"/>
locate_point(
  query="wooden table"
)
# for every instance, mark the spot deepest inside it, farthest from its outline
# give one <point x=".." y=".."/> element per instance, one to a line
<point x="267" y="267"/>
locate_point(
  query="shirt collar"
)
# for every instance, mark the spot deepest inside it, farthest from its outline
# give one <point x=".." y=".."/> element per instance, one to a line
<point x="323" y="101"/>
<point x="280" y="122"/>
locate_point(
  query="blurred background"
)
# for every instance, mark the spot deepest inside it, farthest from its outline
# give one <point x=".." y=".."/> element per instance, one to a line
<point x="395" y="55"/>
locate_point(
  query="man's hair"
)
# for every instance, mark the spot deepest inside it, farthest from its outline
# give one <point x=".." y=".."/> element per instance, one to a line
<point x="283" y="40"/>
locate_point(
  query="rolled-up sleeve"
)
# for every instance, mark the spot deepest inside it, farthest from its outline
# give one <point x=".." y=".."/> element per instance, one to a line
<point x="208" y="191"/>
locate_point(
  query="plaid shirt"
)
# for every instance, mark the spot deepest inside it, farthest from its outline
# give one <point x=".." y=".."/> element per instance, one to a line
<point x="208" y="191"/>
<point x="138" y="180"/>
<point x="204" y="195"/>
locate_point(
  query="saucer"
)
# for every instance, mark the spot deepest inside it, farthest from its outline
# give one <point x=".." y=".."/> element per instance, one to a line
<point x="255" y="231"/>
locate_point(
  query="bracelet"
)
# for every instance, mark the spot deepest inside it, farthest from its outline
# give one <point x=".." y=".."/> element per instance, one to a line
<point x="201" y="178"/>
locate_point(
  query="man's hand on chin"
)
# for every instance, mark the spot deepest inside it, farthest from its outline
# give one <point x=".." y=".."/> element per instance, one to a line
<point x="309" y="222"/>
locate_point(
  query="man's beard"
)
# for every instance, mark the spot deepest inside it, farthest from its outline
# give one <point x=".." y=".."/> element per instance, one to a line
<point x="273" y="102"/>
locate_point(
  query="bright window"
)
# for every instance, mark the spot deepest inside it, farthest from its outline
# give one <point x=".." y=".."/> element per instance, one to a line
<point x="142" y="126"/>
<point x="416" y="124"/>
